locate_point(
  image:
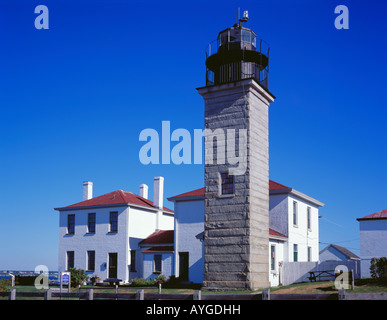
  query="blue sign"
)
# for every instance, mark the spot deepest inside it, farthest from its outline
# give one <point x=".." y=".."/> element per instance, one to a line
<point x="65" y="278"/>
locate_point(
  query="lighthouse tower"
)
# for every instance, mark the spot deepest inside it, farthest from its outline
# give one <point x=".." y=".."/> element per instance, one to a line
<point x="237" y="101"/>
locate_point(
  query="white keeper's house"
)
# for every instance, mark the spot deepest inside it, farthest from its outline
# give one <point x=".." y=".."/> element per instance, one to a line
<point x="293" y="232"/>
<point x="106" y="235"/>
<point x="373" y="239"/>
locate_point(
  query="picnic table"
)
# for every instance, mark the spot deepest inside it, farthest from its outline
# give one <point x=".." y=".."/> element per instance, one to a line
<point x="323" y="273"/>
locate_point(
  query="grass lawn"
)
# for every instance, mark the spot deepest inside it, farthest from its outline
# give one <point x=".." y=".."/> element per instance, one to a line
<point x="361" y="286"/>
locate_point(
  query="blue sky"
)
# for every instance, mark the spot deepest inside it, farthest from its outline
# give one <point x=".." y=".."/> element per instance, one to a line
<point x="74" y="98"/>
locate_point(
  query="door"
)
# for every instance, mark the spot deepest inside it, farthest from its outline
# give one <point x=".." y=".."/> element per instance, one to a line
<point x="112" y="265"/>
<point x="183" y="266"/>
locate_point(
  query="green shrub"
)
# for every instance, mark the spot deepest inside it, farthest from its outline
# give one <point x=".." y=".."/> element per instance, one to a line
<point x="378" y="269"/>
<point x="78" y="276"/>
<point x="141" y="282"/>
<point x="5" y="284"/>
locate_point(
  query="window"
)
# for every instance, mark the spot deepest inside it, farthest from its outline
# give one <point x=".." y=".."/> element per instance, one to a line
<point x="113" y="221"/>
<point x="227" y="183"/>
<point x="91" y="223"/>
<point x="133" y="261"/>
<point x="90" y="260"/>
<point x="157" y="263"/>
<point x="71" y="223"/>
<point x="70" y="259"/>
<point x="295" y="252"/>
<point x="308" y="217"/>
<point x="295" y="213"/>
<point x="272" y="257"/>
<point x="309" y="254"/>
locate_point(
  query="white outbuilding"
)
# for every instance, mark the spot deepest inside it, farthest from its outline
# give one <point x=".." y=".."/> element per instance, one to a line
<point x="373" y="238"/>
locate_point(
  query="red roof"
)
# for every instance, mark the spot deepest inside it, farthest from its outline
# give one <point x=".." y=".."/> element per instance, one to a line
<point x="193" y="193"/>
<point x="275" y="233"/>
<point x="377" y="215"/>
<point x="118" y="197"/>
<point x="158" y="237"/>
<point x="159" y="249"/>
<point x="275" y="185"/>
<point x="167" y="236"/>
<point x="200" y="192"/>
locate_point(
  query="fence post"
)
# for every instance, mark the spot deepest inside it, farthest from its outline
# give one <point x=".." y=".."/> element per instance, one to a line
<point x="140" y="294"/>
<point x="197" y="295"/>
<point x="12" y="294"/>
<point x="90" y="294"/>
<point x="159" y="288"/>
<point x="266" y="294"/>
<point x="47" y="294"/>
<point x="341" y="294"/>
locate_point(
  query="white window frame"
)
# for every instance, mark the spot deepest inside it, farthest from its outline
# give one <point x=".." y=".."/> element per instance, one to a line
<point x="271" y="257"/>
<point x="309" y="218"/>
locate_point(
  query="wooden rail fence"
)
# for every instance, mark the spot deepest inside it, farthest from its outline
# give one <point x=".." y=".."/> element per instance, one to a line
<point x="90" y="294"/>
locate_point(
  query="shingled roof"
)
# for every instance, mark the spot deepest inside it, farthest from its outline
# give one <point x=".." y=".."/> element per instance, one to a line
<point x="377" y="215"/>
<point x="115" y="198"/>
<point x="349" y="254"/>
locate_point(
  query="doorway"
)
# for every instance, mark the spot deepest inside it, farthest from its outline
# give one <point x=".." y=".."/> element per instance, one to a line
<point x="183" y="266"/>
<point x="112" y="265"/>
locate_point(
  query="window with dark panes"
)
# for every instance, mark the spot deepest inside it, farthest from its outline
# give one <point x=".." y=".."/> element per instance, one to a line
<point x="157" y="263"/>
<point x="70" y="259"/>
<point x="90" y="260"/>
<point x="133" y="261"/>
<point x="71" y="223"/>
<point x="227" y="183"/>
<point x="91" y="223"/>
<point x="295" y="252"/>
<point x="113" y="221"/>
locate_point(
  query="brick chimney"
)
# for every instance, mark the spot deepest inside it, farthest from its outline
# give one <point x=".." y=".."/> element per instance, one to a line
<point x="87" y="190"/>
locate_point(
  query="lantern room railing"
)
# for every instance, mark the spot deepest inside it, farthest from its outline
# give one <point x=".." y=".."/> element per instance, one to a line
<point x="247" y="37"/>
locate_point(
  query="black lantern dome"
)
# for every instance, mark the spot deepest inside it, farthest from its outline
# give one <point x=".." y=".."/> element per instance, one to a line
<point x="237" y="54"/>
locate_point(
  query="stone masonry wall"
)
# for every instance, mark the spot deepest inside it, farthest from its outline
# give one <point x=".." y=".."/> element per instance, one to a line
<point x="236" y="227"/>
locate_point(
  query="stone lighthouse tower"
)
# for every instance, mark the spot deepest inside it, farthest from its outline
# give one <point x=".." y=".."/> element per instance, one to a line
<point x="237" y="101"/>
